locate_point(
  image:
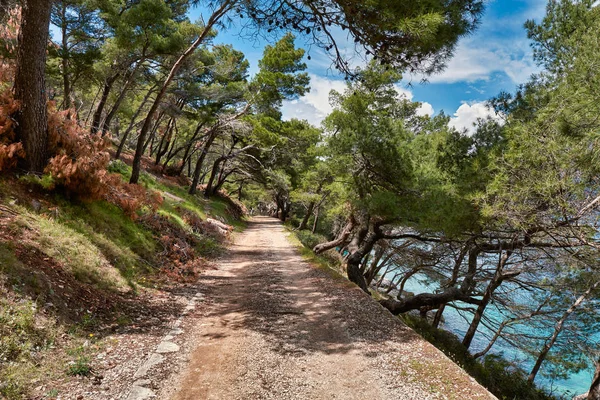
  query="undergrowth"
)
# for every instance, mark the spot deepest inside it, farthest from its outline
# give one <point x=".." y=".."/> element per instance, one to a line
<point x="501" y="377"/>
<point x="65" y="262"/>
<point x="329" y="261"/>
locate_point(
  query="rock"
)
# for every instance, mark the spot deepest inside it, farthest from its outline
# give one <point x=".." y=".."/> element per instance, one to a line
<point x="152" y="361"/>
<point x="36" y="205"/>
<point x="167" y="347"/>
<point x="140" y="393"/>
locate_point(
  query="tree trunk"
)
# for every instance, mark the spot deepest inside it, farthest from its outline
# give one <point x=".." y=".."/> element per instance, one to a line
<point x="30" y="82"/>
<point x="341" y="239"/>
<point x="208" y="191"/>
<point x="89" y="113"/>
<point x="375" y="266"/>
<point x="188" y="148"/>
<point x="315" y="223"/>
<point x="594" y="393"/>
<point x="209" y="140"/>
<point x="496" y="281"/>
<point x="438" y="316"/>
<point x="65" y="59"/>
<point x="309" y="212"/>
<point x="557" y="330"/>
<point x="108" y="83"/>
<point x="366" y="243"/>
<point x="131" y="124"/>
<point x="493" y="285"/>
<point x="165" y="140"/>
<point x="115" y="108"/>
<point x="214" y="18"/>
<point x="457" y="264"/>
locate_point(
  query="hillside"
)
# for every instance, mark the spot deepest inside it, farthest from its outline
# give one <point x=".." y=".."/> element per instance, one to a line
<point x="79" y="277"/>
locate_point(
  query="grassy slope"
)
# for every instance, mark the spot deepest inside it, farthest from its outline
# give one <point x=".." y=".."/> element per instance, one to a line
<point x="71" y="270"/>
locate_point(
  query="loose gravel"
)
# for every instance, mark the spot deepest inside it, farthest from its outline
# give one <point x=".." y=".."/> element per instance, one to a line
<point x="274" y="327"/>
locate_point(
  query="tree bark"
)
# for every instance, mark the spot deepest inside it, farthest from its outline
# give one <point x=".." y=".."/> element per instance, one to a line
<point x="365" y="246"/>
<point x="457" y="264"/>
<point x="108" y="84"/>
<point x="198" y="169"/>
<point x="316" y="222"/>
<point x="214" y="18"/>
<point x="30" y="83"/>
<point x="309" y="212"/>
<point x="496" y="281"/>
<point x="209" y="188"/>
<point x="341" y="239"/>
<point x="375" y="266"/>
<point x="188" y="148"/>
<point x="115" y="108"/>
<point x="594" y="393"/>
<point x="65" y="59"/>
<point x="131" y="124"/>
<point x="162" y="150"/>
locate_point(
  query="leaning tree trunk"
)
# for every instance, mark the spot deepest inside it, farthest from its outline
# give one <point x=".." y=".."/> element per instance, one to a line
<point x="309" y="212"/>
<point x="115" y="108"/>
<point x="366" y="244"/>
<point x="108" y="84"/>
<point x="188" y="148"/>
<point x="557" y="330"/>
<point x="494" y="284"/>
<point x="316" y="221"/>
<point x="139" y="150"/>
<point x="457" y="264"/>
<point x="30" y="82"/>
<point x="132" y="123"/>
<point x="209" y="141"/>
<point x="341" y="239"/>
<point x="594" y="393"/>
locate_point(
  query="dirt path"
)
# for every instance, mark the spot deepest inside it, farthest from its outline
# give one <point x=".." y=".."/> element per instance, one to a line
<point x="275" y="327"/>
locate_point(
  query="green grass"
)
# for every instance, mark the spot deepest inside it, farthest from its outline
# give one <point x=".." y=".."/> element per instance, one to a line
<point x="23" y="332"/>
<point x="74" y="248"/>
<point x="214" y="207"/>
<point x="100" y="246"/>
<point x="80" y="365"/>
<point x="327" y="262"/>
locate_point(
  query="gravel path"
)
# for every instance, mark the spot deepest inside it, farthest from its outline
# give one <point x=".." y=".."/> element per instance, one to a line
<point x="274" y="327"/>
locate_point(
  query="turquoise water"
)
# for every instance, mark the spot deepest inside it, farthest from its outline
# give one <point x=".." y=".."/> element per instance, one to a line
<point x="577" y="383"/>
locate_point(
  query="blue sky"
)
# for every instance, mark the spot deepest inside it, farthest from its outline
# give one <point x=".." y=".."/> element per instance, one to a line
<point x="496" y="57"/>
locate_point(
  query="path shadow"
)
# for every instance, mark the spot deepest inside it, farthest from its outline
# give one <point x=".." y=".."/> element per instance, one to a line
<point x="298" y="308"/>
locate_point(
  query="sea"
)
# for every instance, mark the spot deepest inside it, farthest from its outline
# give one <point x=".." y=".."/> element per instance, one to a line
<point x="575" y="384"/>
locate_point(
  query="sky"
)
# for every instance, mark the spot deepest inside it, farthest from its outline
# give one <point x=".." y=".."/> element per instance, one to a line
<point x="497" y="57"/>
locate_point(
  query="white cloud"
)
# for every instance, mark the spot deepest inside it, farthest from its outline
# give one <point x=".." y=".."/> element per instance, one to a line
<point x="476" y="60"/>
<point x="425" y="109"/>
<point x="314" y="106"/>
<point x="467" y="114"/>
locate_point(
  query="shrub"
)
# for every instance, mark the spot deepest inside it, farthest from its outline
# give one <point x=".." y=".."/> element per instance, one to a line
<point x="179" y="259"/>
<point x="309" y="239"/>
<point x="130" y="197"/>
<point x="501" y="377"/>
<point x="79" y="158"/>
